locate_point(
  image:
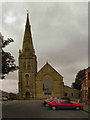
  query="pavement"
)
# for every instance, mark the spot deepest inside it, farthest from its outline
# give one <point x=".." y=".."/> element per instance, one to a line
<point x="86" y="108"/>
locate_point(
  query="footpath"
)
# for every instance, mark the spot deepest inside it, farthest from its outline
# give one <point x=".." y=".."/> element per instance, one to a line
<point x="86" y="108"/>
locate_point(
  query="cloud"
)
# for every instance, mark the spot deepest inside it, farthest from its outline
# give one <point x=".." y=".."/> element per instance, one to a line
<point x="9" y="85"/>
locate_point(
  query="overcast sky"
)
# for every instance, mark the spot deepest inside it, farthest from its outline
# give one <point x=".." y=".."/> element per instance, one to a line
<point x="59" y="32"/>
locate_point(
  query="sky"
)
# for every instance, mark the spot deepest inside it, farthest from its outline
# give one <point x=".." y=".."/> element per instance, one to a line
<point x="59" y="33"/>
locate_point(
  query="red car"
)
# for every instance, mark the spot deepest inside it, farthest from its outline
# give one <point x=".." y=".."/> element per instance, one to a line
<point x="64" y="104"/>
<point x="4" y="99"/>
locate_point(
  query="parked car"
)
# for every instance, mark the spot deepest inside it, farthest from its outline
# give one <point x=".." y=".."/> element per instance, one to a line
<point x="45" y="102"/>
<point x="66" y="98"/>
<point x="64" y="104"/>
<point x="4" y="99"/>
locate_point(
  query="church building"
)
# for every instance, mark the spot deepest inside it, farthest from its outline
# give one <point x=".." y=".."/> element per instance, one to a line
<point x="46" y="82"/>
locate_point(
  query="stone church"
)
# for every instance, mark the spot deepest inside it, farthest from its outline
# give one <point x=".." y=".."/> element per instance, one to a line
<point x="46" y="82"/>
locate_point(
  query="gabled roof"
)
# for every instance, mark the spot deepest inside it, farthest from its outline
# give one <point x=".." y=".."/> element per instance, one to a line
<point x="48" y="65"/>
<point x="88" y="68"/>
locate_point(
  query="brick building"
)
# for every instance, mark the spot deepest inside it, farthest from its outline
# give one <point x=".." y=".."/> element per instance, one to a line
<point x="86" y="86"/>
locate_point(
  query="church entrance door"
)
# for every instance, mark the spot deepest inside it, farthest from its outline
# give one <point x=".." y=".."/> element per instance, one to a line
<point x="27" y="95"/>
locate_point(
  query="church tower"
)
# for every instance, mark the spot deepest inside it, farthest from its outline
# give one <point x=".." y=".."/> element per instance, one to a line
<point x="27" y="65"/>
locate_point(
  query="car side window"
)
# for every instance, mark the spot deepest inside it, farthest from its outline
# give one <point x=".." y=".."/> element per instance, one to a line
<point x="67" y="102"/>
<point x="59" y="101"/>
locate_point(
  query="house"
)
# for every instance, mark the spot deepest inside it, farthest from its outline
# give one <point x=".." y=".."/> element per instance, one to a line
<point x="85" y="87"/>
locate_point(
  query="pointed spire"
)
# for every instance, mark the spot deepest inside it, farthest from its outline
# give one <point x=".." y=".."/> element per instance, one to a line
<point x="27" y="42"/>
<point x="27" y="21"/>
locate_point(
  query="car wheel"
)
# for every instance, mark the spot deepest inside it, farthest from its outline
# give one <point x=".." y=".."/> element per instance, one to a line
<point x="77" y="108"/>
<point x="46" y="105"/>
<point x="53" y="108"/>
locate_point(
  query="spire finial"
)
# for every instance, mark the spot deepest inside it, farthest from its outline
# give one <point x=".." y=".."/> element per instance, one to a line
<point x="27" y="11"/>
<point x="27" y="21"/>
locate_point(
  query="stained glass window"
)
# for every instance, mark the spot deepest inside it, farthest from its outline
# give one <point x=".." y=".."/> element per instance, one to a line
<point x="47" y="83"/>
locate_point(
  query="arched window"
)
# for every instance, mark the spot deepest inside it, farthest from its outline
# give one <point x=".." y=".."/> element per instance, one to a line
<point x="27" y="83"/>
<point x="89" y="76"/>
<point x="47" y="83"/>
<point x="89" y="93"/>
<point x="28" y="66"/>
<point x="24" y="65"/>
<point x="66" y="94"/>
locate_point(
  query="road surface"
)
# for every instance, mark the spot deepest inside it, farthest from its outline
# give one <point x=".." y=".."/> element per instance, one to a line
<point x="35" y="109"/>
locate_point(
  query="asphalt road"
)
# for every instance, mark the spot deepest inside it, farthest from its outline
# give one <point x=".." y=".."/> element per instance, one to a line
<point x="35" y="109"/>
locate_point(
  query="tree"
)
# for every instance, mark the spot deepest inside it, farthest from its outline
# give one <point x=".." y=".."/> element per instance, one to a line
<point x="78" y="80"/>
<point x="8" y="62"/>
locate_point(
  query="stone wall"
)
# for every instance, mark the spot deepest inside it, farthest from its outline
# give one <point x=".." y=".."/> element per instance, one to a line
<point x="71" y="93"/>
<point x="53" y="75"/>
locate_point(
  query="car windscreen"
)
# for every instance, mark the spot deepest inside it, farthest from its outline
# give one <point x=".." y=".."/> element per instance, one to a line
<point x="50" y="100"/>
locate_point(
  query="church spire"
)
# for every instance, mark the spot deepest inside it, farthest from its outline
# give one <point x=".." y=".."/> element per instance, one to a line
<point x="27" y="41"/>
<point x="27" y="21"/>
